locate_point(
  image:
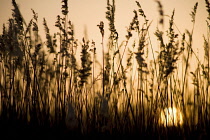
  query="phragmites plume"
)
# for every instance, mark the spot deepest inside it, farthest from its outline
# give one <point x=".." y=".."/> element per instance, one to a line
<point x="133" y="25"/>
<point x="208" y="8"/>
<point x="101" y="27"/>
<point x="48" y="37"/>
<point x="17" y="16"/>
<point x="35" y="17"/>
<point x="193" y="13"/>
<point x="110" y="15"/>
<point x="170" y="52"/>
<point x="161" y="13"/>
<point x="65" y="7"/>
<point x="141" y="11"/>
<point x="86" y="62"/>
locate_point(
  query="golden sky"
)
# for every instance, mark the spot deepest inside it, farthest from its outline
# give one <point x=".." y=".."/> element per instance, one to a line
<point x="86" y="14"/>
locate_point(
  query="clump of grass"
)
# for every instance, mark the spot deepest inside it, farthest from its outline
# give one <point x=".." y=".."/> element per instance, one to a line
<point x="43" y="85"/>
<point x="84" y="72"/>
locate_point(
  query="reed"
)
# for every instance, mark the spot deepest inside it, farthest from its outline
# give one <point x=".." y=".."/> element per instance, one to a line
<point x="47" y="88"/>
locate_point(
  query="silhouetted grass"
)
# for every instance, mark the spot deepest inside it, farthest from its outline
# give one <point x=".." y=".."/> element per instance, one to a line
<point x="46" y="90"/>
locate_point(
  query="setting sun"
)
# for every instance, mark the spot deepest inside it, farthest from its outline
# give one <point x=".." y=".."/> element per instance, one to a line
<point x="171" y="117"/>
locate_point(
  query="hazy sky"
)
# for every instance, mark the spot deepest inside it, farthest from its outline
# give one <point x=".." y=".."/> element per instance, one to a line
<point x="86" y="14"/>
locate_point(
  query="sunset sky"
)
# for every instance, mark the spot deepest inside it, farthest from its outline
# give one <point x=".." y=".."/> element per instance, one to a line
<point x="74" y="90"/>
<point x="86" y="14"/>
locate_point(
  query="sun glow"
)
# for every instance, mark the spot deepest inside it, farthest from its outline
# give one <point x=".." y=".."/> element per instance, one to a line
<point x="171" y="117"/>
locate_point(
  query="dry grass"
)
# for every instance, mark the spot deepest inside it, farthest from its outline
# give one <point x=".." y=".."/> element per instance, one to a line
<point x="44" y="88"/>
